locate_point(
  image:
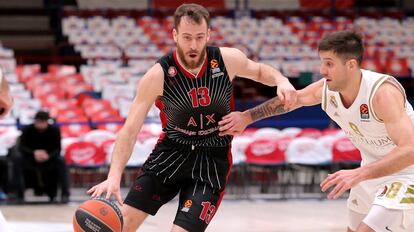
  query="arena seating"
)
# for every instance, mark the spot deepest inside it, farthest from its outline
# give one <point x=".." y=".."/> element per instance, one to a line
<point x="91" y="105"/>
<point x="288" y="43"/>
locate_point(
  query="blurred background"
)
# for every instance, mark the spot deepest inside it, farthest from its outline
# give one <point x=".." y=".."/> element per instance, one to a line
<point x="81" y="60"/>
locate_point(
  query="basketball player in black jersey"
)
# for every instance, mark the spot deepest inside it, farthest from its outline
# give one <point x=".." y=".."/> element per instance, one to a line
<point x="192" y="87"/>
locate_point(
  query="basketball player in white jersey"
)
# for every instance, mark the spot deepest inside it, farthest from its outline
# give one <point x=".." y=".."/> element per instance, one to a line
<point x="372" y="110"/>
<point x="5" y="105"/>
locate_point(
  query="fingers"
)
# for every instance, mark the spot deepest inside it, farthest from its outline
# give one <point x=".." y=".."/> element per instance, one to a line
<point x="339" y="189"/>
<point x="91" y="190"/>
<point x="335" y="180"/>
<point x="225" y="121"/>
<point x="108" y="195"/>
<point x="226" y="126"/>
<point x="281" y="95"/>
<point x="119" y="198"/>
<point x="95" y="191"/>
<point x="227" y="116"/>
<point x="289" y="98"/>
<point x="328" y="182"/>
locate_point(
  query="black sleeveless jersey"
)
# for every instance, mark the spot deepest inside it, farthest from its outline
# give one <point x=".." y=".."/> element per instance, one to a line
<point x="191" y="107"/>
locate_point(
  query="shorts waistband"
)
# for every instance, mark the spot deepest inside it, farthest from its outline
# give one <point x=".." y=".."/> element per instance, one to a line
<point x="192" y="146"/>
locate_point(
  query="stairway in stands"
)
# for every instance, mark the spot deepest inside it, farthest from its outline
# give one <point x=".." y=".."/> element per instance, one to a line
<point x="25" y="28"/>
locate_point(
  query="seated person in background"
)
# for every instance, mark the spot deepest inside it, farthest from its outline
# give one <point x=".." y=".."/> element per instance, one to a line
<point x="37" y="160"/>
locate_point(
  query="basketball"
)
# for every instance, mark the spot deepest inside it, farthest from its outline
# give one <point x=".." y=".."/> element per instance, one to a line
<point x="98" y="215"/>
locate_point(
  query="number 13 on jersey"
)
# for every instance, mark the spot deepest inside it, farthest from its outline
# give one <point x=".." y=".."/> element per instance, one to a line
<point x="200" y="96"/>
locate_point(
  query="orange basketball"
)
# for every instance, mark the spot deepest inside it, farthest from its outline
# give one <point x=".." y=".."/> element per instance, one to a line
<point x="98" y="215"/>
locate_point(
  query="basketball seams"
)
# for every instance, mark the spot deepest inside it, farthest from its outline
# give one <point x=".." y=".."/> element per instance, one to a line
<point x="114" y="208"/>
<point x="97" y="218"/>
<point x="77" y="225"/>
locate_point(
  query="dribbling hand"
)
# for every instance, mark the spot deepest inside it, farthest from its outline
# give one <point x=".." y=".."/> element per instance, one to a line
<point x="341" y="181"/>
<point x="109" y="187"/>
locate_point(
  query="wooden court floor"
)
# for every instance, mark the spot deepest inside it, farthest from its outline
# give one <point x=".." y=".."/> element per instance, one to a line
<point x="233" y="215"/>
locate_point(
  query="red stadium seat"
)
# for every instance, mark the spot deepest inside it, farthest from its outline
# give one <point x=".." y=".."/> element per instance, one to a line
<point x="74" y="130"/>
<point x="310" y="132"/>
<point x="266" y="166"/>
<point x="265" y="151"/>
<point x="398" y="67"/>
<point x="344" y="152"/>
<point x="83" y="153"/>
<point x="87" y="162"/>
<point x="98" y="137"/>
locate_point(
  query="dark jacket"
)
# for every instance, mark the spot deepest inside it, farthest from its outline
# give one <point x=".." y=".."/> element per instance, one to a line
<point x="32" y="139"/>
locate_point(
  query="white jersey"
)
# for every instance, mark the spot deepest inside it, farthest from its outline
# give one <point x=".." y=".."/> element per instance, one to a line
<point x="359" y="122"/>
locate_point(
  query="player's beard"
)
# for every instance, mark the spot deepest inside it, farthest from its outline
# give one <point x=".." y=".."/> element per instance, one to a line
<point x="191" y="64"/>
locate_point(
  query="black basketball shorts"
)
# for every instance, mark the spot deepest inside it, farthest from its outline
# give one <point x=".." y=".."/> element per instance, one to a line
<point x="198" y="202"/>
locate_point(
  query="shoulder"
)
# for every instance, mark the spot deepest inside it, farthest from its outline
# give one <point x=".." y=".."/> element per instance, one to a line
<point x="152" y="83"/>
<point x="156" y="72"/>
<point x="387" y="91"/>
<point x="231" y="53"/>
<point x="234" y="59"/>
<point x="388" y="100"/>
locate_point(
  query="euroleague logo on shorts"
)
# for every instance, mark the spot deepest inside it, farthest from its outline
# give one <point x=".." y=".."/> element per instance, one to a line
<point x="363" y="109"/>
<point x="172" y="71"/>
<point x="187" y="205"/>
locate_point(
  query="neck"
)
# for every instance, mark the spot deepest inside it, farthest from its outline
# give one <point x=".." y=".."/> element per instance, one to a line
<point x="350" y="92"/>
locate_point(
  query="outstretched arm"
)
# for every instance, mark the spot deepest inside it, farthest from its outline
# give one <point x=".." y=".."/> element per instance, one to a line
<point x="235" y="122"/>
<point x="238" y="64"/>
<point x="388" y="104"/>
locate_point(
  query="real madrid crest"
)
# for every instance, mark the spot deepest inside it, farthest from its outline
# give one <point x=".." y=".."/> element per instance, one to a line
<point x="332" y="101"/>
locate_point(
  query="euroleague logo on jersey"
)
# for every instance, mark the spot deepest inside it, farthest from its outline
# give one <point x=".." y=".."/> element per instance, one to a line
<point x="172" y="71"/>
<point x="215" y="69"/>
<point x="214" y="64"/>
<point x="363" y="109"/>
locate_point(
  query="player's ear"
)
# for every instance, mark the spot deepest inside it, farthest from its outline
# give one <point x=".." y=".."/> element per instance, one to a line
<point x="352" y="64"/>
<point x="175" y="34"/>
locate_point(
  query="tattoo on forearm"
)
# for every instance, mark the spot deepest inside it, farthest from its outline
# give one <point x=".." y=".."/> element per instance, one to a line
<point x="267" y="109"/>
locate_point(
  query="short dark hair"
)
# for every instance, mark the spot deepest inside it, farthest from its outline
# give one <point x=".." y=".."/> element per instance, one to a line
<point x="194" y="11"/>
<point x="346" y="44"/>
<point x="42" y="116"/>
